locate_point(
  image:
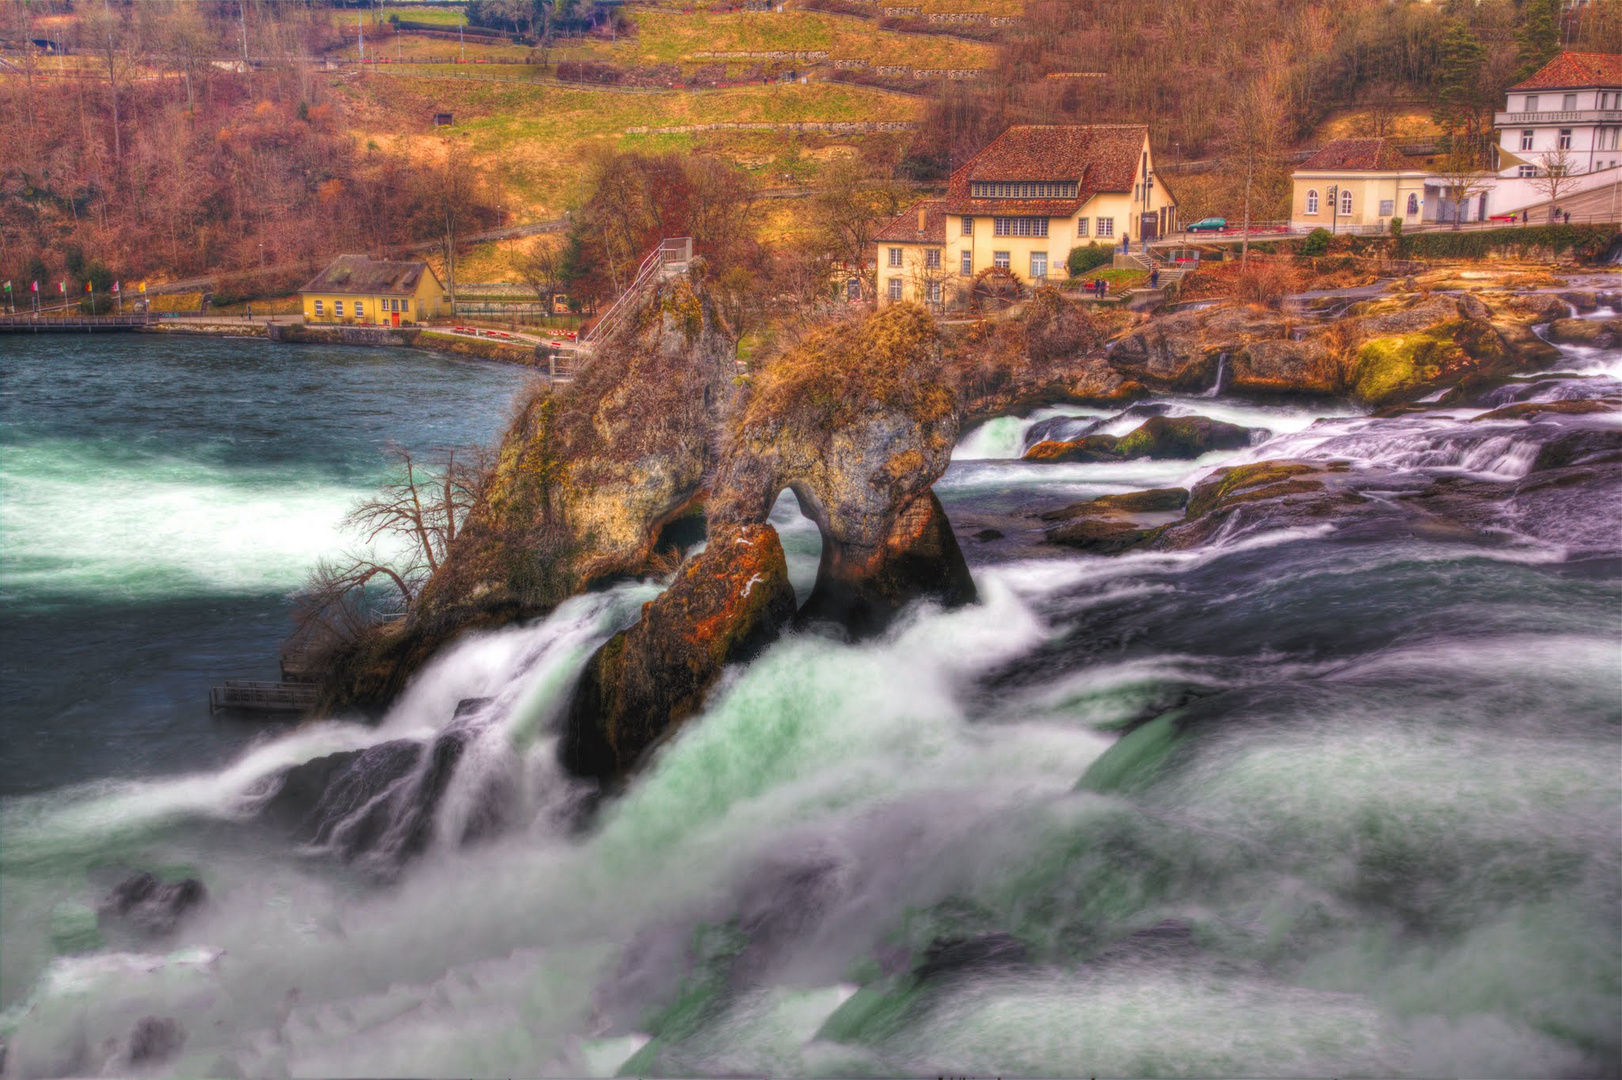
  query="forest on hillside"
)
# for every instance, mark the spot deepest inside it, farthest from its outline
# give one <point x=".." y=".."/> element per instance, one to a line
<point x="149" y="150"/>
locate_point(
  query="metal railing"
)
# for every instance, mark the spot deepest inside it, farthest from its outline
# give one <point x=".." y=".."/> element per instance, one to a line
<point x="671" y="253"/>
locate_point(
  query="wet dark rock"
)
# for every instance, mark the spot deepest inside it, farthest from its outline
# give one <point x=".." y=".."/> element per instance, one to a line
<point x="155" y="1040"/>
<point x="1101" y="536"/>
<point x="1154" y="500"/>
<point x="1309" y="365"/>
<point x="151" y="906"/>
<point x="1598" y="333"/>
<point x="379" y="801"/>
<point x="1160" y="437"/>
<point x="1581" y="299"/>
<point x="985" y="536"/>
<point x="1525" y="410"/>
<point x="1061" y="429"/>
<point x="469" y="706"/>
<point x="956" y="957"/>
<point x="1184" y="351"/>
<point x="725" y="606"/>
<point x="781" y="907"/>
<point x="1580" y="446"/>
<point x="920" y="559"/>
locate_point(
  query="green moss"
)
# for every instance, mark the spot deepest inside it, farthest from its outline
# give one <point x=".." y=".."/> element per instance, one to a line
<point x="1221" y="487"/>
<point x="1389" y="367"/>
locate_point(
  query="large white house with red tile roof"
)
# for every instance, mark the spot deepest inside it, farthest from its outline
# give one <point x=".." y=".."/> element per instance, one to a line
<point x="1569" y="113"/>
<point x="1021" y="204"/>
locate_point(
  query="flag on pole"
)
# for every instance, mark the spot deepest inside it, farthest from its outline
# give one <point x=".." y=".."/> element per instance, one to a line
<point x="143" y="286"/>
<point x="36" y="287"/>
<point x="87" y="287"/>
<point x="115" y="286"/>
<point x="8" y="285"/>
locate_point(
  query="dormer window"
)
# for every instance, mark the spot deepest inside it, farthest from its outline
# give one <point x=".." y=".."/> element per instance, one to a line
<point x="1023" y="189"/>
<point x="1531" y="103"/>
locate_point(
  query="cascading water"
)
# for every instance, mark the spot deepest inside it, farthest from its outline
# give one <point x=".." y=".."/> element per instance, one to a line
<point x="1363" y="819"/>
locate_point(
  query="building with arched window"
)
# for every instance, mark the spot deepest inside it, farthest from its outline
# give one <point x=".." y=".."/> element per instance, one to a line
<point x="1359" y="185"/>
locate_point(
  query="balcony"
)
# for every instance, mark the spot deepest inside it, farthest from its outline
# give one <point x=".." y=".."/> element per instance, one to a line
<point x="1561" y="116"/>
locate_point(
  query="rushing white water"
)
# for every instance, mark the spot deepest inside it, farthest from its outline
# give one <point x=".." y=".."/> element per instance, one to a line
<point x="1365" y="800"/>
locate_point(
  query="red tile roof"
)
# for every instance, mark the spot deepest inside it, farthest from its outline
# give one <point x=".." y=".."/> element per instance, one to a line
<point x="1574" y="69"/>
<point x="903" y="228"/>
<point x="1356" y="155"/>
<point x="1099" y="157"/>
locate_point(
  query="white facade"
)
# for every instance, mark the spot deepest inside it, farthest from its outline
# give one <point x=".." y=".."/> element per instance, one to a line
<point x="1537" y="126"/>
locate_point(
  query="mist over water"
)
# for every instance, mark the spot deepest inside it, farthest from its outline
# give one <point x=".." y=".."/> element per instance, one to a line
<point x="1367" y="818"/>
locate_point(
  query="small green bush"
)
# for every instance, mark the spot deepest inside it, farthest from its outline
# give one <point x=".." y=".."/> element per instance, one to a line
<point x="1088" y="257"/>
<point x="1316" y="243"/>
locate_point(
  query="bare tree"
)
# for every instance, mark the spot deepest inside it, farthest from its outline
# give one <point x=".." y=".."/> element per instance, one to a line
<point x="451" y="194"/>
<point x="1255" y="128"/>
<point x="105" y="32"/>
<point x="1462" y="176"/>
<point x="415" y="517"/>
<point x="1555" y="178"/>
<point x="851" y="204"/>
<point x="542" y="270"/>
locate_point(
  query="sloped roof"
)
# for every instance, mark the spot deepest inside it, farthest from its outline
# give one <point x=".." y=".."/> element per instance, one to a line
<point x="1099" y="157"/>
<point x="365" y="276"/>
<point x="903" y="228"/>
<point x="1574" y="69"/>
<point x="1356" y="155"/>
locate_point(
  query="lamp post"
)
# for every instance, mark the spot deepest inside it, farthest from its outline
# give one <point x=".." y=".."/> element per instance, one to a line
<point x="1334" y="206"/>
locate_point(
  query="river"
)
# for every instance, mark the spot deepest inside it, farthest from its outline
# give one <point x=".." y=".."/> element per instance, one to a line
<point x="1368" y="818"/>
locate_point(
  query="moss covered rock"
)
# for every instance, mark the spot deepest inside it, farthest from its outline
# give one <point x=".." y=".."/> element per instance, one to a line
<point x="1162" y="437"/>
<point x="1391" y="368"/>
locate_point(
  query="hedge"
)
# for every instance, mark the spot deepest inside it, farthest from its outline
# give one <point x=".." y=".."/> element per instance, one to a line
<point x="1587" y="241"/>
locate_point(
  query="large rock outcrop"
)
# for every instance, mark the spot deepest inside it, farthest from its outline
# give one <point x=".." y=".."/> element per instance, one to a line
<point x="727" y="604"/>
<point x="583" y="482"/>
<point x="1163" y="437"/>
<point x="858" y="420"/>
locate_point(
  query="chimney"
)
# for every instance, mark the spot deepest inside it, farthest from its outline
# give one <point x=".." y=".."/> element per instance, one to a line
<point x="922" y="214"/>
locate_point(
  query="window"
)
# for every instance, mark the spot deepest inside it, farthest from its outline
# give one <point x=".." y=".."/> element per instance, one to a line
<point x="1531" y="103"/>
<point x="1106" y="226"/>
<point x="1569" y="104"/>
<point x="895" y="288"/>
<point x="359" y="309"/>
<point x="1020" y="226"/>
<point x="1526" y="171"/>
<point x="1031" y="189"/>
<point x="932" y="259"/>
<point x="966" y="264"/>
<point x="895" y="256"/>
<point x="968" y="226"/>
<point x="1039" y="265"/>
<point x="1312" y="201"/>
<point x="1345" y="202"/>
<point x="318" y="310"/>
<point x="1388" y="207"/>
<point x="1413" y="203"/>
<point x="1526" y="138"/>
<point x="1081" y="227"/>
<point x="934" y="292"/>
<point x="1565" y="138"/>
<point x="338" y="308"/>
<point x="1000" y="260"/>
<point x="1604" y="100"/>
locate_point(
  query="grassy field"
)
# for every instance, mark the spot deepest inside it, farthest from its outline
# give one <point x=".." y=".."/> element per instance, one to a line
<point x="424" y="13"/>
<point x="536" y="137"/>
<point x="667" y="36"/>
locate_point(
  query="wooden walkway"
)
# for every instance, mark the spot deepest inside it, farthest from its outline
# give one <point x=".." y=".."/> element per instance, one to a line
<point x="246" y="696"/>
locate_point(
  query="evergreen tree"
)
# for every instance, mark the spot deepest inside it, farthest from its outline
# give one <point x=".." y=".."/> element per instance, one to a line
<point x="1539" y="35"/>
<point x="1458" y="96"/>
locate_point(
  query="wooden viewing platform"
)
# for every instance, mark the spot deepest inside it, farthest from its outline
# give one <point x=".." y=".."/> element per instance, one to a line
<point x="72" y="324"/>
<point x="248" y="696"/>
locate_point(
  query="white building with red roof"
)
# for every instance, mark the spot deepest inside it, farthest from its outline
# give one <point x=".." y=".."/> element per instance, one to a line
<point x="1020" y="205"/>
<point x="1567" y="116"/>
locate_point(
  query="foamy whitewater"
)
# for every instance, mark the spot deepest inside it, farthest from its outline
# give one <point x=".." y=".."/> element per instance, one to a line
<point x="1364" y="818"/>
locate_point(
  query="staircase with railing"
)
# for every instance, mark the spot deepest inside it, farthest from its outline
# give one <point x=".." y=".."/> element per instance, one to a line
<point x="671" y="257"/>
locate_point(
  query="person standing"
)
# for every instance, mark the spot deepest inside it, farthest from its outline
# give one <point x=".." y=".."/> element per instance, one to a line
<point x="1567" y="220"/>
<point x="1154" y="278"/>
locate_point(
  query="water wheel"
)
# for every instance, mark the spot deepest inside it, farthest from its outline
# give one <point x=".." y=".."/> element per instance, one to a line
<point x="995" y="288"/>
